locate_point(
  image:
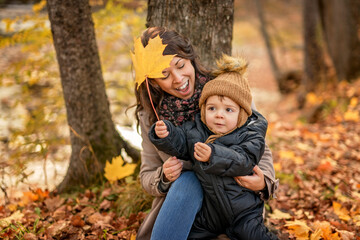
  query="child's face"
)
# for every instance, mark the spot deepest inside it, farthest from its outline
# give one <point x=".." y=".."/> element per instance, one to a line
<point x="179" y="79"/>
<point x="221" y="114"/>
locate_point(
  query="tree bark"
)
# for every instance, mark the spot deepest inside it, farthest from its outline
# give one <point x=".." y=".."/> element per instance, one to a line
<point x="94" y="138"/>
<point x="207" y="23"/>
<point x="340" y="24"/>
<point x="314" y="65"/>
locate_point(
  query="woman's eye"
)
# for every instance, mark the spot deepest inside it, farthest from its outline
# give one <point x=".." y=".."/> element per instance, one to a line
<point x="166" y="75"/>
<point x="182" y="65"/>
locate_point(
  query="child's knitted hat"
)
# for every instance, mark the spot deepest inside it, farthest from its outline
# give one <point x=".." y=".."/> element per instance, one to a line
<point x="230" y="81"/>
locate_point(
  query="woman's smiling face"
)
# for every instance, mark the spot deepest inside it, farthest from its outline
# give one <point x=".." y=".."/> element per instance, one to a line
<point x="179" y="78"/>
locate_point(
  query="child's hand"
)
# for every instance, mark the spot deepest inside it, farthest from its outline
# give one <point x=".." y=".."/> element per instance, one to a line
<point x="202" y="152"/>
<point x="161" y="129"/>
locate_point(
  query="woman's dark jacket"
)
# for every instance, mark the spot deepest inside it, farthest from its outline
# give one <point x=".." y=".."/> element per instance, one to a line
<point x="234" y="154"/>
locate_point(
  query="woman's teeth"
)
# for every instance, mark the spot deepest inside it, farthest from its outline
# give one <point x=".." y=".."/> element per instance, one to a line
<point x="183" y="86"/>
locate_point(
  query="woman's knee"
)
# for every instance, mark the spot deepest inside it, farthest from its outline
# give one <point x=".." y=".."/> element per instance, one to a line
<point x="190" y="183"/>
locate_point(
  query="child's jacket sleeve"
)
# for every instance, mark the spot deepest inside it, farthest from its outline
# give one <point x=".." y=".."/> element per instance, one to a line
<point x="174" y="144"/>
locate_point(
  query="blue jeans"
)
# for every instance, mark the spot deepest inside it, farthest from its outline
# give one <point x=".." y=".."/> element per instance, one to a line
<point x="177" y="214"/>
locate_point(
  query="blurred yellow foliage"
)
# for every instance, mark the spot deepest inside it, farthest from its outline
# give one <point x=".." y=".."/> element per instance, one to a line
<point x="36" y="107"/>
<point x="8" y="24"/>
<point x="277" y="166"/>
<point x="37" y="7"/>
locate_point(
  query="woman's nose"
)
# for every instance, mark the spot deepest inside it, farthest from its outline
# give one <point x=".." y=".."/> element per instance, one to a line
<point x="177" y="77"/>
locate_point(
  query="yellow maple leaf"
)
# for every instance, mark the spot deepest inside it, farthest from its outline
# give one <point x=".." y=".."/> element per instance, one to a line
<point x="303" y="146"/>
<point x="16" y="216"/>
<point x="324" y="230"/>
<point x="277" y="214"/>
<point x="352" y="116"/>
<point x="277" y="166"/>
<point x="298" y="228"/>
<point x="353" y="102"/>
<point x="291" y="155"/>
<point x="316" y="235"/>
<point x="149" y="61"/>
<point x="332" y="236"/>
<point x="342" y="212"/>
<point x="287" y="154"/>
<point x="117" y="170"/>
<point x="341" y="197"/>
<point x="27" y="198"/>
<point x="356" y="220"/>
<point x="12" y="207"/>
<point x="313" y="99"/>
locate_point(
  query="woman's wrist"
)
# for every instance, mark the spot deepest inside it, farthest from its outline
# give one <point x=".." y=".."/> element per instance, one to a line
<point x="164" y="185"/>
<point x="264" y="193"/>
<point x="263" y="185"/>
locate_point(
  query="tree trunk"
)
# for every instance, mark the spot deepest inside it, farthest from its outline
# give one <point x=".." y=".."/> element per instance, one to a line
<point x="94" y="138"/>
<point x="273" y="63"/>
<point x="314" y="65"/>
<point x="340" y="23"/>
<point x="207" y="23"/>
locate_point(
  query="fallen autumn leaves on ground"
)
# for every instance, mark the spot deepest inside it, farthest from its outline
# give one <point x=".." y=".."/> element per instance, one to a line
<point x="319" y="195"/>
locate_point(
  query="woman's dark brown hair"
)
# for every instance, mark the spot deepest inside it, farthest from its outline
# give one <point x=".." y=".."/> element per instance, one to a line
<point x="176" y="44"/>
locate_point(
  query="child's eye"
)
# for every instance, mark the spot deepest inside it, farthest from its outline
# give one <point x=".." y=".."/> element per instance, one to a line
<point x="229" y="110"/>
<point x="211" y="108"/>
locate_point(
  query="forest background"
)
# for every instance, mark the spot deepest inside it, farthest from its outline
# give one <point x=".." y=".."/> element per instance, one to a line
<point x="314" y="135"/>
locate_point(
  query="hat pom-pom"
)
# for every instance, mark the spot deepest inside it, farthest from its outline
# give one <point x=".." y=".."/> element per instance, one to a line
<point x="228" y="64"/>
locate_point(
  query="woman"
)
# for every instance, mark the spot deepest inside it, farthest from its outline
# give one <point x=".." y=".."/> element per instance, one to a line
<point x="175" y="97"/>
